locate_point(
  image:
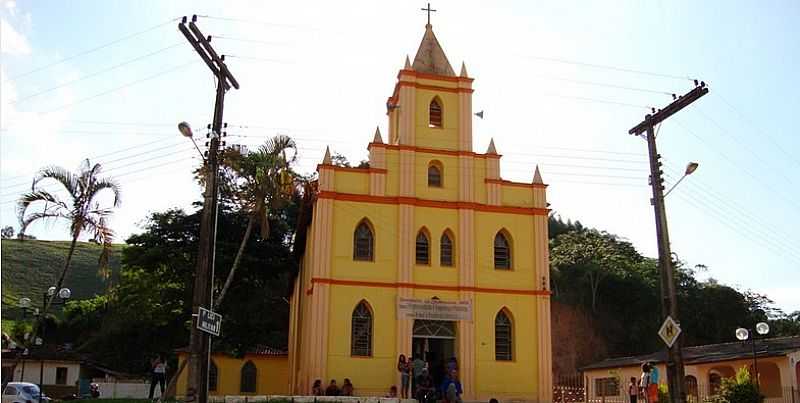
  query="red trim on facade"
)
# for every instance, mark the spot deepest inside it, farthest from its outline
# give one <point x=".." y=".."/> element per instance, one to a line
<point x="432" y="150"/>
<point x="361" y="283"/>
<point x="518" y="184"/>
<point x="431" y="203"/>
<point x="430" y="76"/>
<point x="351" y="169"/>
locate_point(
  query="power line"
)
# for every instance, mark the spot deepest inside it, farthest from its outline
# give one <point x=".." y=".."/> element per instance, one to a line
<point x="764" y="134"/>
<point x="114" y="67"/>
<point x="258" y="59"/>
<point x="601" y="101"/>
<point x="161" y="73"/>
<point x="228" y="38"/>
<point x="606" y="67"/>
<point x="256" y="22"/>
<point x="597" y="84"/>
<point x="103" y="46"/>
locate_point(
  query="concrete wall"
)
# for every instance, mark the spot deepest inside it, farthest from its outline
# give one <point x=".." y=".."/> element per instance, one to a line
<point x="32" y="371"/>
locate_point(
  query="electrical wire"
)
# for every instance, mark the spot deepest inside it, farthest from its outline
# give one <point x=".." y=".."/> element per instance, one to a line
<point x="606" y="67"/>
<point x="159" y="74"/>
<point x="597" y="84"/>
<point x="112" y="68"/>
<point x="601" y="101"/>
<point x="95" y="49"/>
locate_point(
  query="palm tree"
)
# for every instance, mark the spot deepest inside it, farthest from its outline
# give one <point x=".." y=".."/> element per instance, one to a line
<point x="81" y="209"/>
<point x="264" y="181"/>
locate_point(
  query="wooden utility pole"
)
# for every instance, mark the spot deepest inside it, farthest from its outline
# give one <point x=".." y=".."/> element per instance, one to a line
<point x="669" y="303"/>
<point x="199" y="342"/>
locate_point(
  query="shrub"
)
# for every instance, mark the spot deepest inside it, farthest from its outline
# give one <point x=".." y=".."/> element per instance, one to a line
<point x="739" y="389"/>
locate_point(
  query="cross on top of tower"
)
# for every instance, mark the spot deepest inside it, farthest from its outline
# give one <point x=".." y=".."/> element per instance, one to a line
<point x="429" y="10"/>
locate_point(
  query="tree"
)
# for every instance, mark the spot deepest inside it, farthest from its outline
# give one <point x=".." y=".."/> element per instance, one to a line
<point x="7" y="232"/>
<point x="265" y="182"/>
<point x="593" y="255"/>
<point x="82" y="209"/>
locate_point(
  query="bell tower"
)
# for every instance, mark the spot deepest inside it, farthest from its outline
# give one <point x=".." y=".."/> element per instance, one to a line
<point x="431" y="106"/>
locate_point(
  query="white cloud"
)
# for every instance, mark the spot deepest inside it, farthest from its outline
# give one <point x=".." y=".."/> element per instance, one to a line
<point x="11" y="6"/>
<point x="11" y="41"/>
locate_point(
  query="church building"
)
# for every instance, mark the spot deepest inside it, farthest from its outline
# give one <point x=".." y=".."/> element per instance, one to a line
<point x="427" y="252"/>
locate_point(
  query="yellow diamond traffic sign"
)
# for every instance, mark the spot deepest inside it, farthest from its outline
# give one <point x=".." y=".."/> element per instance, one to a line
<point x="669" y="332"/>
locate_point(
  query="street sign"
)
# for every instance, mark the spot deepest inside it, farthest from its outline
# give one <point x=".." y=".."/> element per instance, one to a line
<point x="209" y="322"/>
<point x="669" y="332"/>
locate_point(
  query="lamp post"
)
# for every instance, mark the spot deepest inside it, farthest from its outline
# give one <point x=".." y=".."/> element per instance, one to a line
<point x="762" y="328"/>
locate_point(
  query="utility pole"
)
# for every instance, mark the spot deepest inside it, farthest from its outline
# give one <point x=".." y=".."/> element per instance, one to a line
<point x="669" y="303"/>
<point x="199" y="342"/>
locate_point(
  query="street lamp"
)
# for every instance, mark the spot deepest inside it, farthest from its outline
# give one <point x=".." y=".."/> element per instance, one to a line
<point x="186" y="131"/>
<point x="762" y="328"/>
<point x="690" y="168"/>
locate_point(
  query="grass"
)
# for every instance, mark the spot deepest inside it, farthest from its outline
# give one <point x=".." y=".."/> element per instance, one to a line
<point x="30" y="267"/>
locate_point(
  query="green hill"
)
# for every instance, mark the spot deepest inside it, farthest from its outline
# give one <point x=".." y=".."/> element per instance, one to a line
<point x="30" y="267"/>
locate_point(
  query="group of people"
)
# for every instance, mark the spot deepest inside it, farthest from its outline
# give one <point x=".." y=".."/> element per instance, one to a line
<point x="645" y="389"/>
<point x="416" y="378"/>
<point x="333" y="389"/>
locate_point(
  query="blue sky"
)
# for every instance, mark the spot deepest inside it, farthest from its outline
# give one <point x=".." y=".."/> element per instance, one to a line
<point x="560" y="82"/>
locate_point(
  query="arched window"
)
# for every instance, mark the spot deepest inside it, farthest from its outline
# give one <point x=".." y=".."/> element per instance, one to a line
<point x="435" y="113"/>
<point x="423" y="248"/>
<point x="435" y="174"/>
<point x="503" y="331"/>
<point x="446" y="246"/>
<point x="502" y="252"/>
<point x="249" y="376"/>
<point x="361" y="331"/>
<point x="363" y="242"/>
<point x="213" y="376"/>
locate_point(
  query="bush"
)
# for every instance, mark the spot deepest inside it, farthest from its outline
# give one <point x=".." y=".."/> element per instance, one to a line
<point x="739" y="389"/>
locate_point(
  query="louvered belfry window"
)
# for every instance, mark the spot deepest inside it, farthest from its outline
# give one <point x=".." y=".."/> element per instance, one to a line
<point x="423" y="249"/>
<point x="361" y="331"/>
<point x="249" y="376"/>
<point x="446" y="258"/>
<point x="502" y="252"/>
<point x="363" y="242"/>
<point x="435" y="112"/>
<point x="503" y="348"/>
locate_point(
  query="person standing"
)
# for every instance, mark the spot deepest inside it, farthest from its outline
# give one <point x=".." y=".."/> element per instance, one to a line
<point x="644" y="382"/>
<point x="404" y="367"/>
<point x="633" y="390"/>
<point x="652" y="390"/>
<point x="418" y="366"/>
<point x="158" y="374"/>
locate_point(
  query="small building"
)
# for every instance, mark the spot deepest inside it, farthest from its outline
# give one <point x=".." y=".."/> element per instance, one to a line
<point x="65" y="373"/>
<point x="260" y="371"/>
<point x="778" y="362"/>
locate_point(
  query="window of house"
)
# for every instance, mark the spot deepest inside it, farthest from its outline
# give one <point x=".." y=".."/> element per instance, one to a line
<point x="213" y="376"/>
<point x="361" y="331"/>
<point x="435" y="112"/>
<point x="446" y="258"/>
<point x="363" y="242"/>
<point x="248" y="378"/>
<point x="435" y="175"/>
<point x="61" y="375"/>
<point x="502" y="252"/>
<point x="503" y="349"/>
<point x="423" y="248"/>
<point x="606" y="387"/>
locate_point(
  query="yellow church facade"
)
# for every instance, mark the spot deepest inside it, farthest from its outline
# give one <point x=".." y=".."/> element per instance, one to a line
<point x="426" y="252"/>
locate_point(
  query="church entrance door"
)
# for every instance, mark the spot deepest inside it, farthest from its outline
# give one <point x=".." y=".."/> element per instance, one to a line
<point x="435" y="341"/>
